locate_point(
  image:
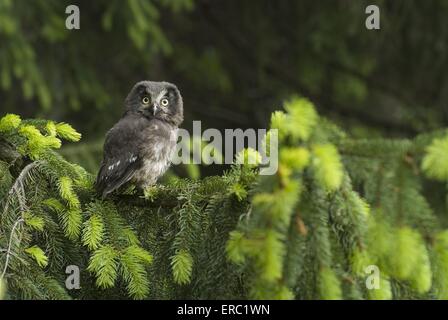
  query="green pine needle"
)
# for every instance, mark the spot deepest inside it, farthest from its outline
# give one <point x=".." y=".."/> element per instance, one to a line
<point x="71" y="220"/>
<point x="248" y="157"/>
<point x="238" y="190"/>
<point x="235" y="247"/>
<point x="329" y="285"/>
<point x="67" y="193"/>
<point x="139" y="253"/>
<point x="360" y="259"/>
<point x="327" y="166"/>
<point x="38" y="254"/>
<point x="93" y="232"/>
<point x="404" y="255"/>
<point x="104" y="264"/>
<point x="50" y="127"/>
<point x="182" y="265"/>
<point x="441" y="265"/>
<point x="270" y="258"/>
<point x="302" y="118"/>
<point x="133" y="261"/>
<point x="54" y="204"/>
<point x="384" y="292"/>
<point x="35" y="222"/>
<point x="66" y="131"/>
<point x="435" y="162"/>
<point x="9" y="122"/>
<point x="2" y="289"/>
<point x="295" y="158"/>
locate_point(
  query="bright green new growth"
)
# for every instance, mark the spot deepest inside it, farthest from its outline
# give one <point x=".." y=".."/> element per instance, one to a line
<point x="278" y="121"/>
<point x="335" y="207"/>
<point x="435" y="162"/>
<point x="93" y="232"/>
<point x="37" y="143"/>
<point x="360" y="260"/>
<point x="295" y="158"/>
<point x="301" y="118"/>
<point x="104" y="264"/>
<point x="66" y="192"/>
<point x="235" y="247"/>
<point x="65" y="131"/>
<point x="2" y="289"/>
<point x="37" y="254"/>
<point x="384" y="292"/>
<point x="248" y="157"/>
<point x="329" y="285"/>
<point x="403" y="252"/>
<point x="441" y="262"/>
<point x="327" y="166"/>
<point x="35" y="222"/>
<point x="298" y="122"/>
<point x="9" y="122"/>
<point x="182" y="263"/>
<point x="422" y="280"/>
<point x="50" y="128"/>
<point x="133" y="261"/>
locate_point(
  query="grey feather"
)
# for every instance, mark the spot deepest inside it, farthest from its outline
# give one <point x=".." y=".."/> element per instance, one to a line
<point x="139" y="147"/>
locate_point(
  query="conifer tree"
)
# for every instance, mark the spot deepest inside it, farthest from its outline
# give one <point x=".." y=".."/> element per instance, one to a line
<point x="336" y="206"/>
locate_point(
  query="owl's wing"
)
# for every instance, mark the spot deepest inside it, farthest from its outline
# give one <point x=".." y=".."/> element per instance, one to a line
<point x="121" y="159"/>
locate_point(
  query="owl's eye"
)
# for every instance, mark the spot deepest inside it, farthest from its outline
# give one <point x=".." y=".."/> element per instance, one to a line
<point x="164" y="102"/>
<point x="145" y="100"/>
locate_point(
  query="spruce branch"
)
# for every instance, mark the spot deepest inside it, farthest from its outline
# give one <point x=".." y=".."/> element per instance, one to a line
<point x="17" y="190"/>
<point x="8" y="251"/>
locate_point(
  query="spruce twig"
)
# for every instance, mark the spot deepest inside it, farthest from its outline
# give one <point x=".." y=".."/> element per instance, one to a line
<point x="8" y="252"/>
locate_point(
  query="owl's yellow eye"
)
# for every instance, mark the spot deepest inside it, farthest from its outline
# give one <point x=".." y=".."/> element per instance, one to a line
<point x="145" y="100"/>
<point x="164" y="102"/>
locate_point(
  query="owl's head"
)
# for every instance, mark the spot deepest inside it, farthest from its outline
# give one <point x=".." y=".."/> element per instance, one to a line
<point x="159" y="100"/>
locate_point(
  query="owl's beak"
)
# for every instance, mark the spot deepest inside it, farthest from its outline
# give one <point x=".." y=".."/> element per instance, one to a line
<point x="154" y="108"/>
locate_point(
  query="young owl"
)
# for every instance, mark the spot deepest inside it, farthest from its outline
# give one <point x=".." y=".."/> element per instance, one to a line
<point x="139" y="147"/>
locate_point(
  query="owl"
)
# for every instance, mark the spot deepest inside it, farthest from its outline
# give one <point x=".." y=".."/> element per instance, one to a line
<point x="139" y="147"/>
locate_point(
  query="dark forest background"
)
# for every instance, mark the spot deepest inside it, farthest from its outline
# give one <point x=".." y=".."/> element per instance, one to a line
<point x="234" y="62"/>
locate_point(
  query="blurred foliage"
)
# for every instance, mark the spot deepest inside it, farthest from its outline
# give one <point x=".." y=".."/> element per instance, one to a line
<point x="234" y="62"/>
